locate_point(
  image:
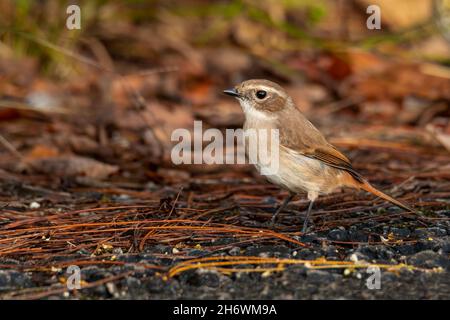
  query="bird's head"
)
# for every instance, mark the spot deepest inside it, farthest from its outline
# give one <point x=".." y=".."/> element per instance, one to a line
<point x="259" y="95"/>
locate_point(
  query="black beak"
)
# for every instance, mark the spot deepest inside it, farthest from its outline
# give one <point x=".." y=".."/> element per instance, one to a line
<point x="232" y="92"/>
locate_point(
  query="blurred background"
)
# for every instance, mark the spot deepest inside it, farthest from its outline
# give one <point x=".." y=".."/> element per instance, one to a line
<point x="86" y="118"/>
<point x="100" y="102"/>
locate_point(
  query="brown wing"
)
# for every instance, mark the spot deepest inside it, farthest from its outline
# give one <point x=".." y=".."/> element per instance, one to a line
<point x="332" y="157"/>
<point x="304" y="138"/>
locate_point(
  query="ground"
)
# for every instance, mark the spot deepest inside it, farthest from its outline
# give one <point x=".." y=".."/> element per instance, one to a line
<point x="87" y="181"/>
<point x="128" y="247"/>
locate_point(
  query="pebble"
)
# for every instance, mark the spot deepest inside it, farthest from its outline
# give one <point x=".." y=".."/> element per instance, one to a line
<point x="358" y="256"/>
<point x="279" y="251"/>
<point x="319" y="276"/>
<point x="400" y="232"/>
<point x="428" y="259"/>
<point x="308" y="238"/>
<point x="155" y="285"/>
<point x="133" y="283"/>
<point x="14" y="279"/>
<point x="117" y="251"/>
<point x="446" y="247"/>
<point x="406" y="249"/>
<point x="35" y="205"/>
<point x="121" y="198"/>
<point x="358" y="236"/>
<point x="338" y="234"/>
<point x="204" y="277"/>
<point x="235" y="251"/>
<point x="332" y="253"/>
<point x="430" y="232"/>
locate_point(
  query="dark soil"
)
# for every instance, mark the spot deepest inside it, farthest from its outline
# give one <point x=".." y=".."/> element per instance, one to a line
<point x="87" y="179"/>
<point x="383" y="237"/>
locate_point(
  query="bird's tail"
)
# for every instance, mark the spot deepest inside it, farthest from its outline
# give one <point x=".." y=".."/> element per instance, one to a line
<point x="369" y="188"/>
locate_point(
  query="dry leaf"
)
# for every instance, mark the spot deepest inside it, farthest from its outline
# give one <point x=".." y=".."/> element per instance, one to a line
<point x="73" y="166"/>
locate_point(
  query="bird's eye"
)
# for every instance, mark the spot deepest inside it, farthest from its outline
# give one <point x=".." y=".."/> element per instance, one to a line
<point x="261" y="94"/>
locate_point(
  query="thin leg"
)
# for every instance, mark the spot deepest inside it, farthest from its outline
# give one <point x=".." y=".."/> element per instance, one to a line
<point x="283" y="206"/>
<point x="312" y="195"/>
<point x="305" y="223"/>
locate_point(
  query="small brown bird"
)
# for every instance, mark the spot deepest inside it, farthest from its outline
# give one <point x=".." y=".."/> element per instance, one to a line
<point x="307" y="161"/>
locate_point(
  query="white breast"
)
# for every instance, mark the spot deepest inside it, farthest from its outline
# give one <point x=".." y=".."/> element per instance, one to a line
<point x="252" y="114"/>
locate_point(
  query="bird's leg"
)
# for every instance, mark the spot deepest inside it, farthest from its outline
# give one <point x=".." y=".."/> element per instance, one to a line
<point x="312" y="195"/>
<point x="282" y="206"/>
<point x="305" y="223"/>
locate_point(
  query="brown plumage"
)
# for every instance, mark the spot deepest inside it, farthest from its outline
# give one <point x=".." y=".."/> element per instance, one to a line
<point x="307" y="161"/>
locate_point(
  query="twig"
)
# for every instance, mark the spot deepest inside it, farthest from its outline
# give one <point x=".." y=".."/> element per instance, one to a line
<point x="10" y="147"/>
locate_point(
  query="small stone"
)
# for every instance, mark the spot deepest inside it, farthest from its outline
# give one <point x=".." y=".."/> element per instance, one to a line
<point x="354" y="257"/>
<point x="35" y="205"/>
<point x="266" y="274"/>
<point x="112" y="289"/>
<point x="406" y="249"/>
<point x="400" y="232"/>
<point x="155" y="285"/>
<point x="133" y="283"/>
<point x="319" y="276"/>
<point x="331" y="253"/>
<point x="203" y="277"/>
<point x="117" y="251"/>
<point x="359" y="257"/>
<point x="437" y="232"/>
<point x="429" y="232"/>
<point x="122" y="197"/>
<point x="308" y="238"/>
<point x="446" y="247"/>
<point x="14" y="279"/>
<point x="358" y="236"/>
<point x="235" y="251"/>
<point x="428" y="259"/>
<point x="338" y="234"/>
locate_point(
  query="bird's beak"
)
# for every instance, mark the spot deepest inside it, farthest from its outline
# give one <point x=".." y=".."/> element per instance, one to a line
<point x="232" y="92"/>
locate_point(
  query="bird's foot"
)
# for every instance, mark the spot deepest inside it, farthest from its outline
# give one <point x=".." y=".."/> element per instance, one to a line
<point x="306" y="226"/>
<point x="273" y="219"/>
<point x="275" y="216"/>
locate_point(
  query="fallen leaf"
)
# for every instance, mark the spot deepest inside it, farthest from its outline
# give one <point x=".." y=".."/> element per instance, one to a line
<point x="72" y="166"/>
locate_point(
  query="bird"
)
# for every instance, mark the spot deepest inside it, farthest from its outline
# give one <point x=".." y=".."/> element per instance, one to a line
<point x="307" y="162"/>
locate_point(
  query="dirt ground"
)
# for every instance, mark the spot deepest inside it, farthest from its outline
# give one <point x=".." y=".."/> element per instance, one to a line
<point x="87" y="182"/>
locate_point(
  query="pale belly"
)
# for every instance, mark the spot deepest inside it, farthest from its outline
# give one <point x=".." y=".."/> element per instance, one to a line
<point x="292" y="171"/>
<point x="300" y="173"/>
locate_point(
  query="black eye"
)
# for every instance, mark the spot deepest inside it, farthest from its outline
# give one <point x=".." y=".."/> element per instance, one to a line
<point x="261" y="94"/>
